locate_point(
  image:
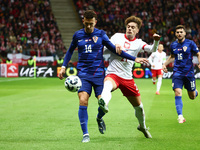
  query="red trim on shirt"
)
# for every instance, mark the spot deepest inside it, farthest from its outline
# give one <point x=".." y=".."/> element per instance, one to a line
<point x="143" y="46"/>
<point x="128" y="39"/>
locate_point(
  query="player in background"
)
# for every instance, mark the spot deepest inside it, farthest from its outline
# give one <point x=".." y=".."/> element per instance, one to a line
<point x="182" y="51"/>
<point x="156" y="59"/>
<point x="119" y="72"/>
<point x="90" y="42"/>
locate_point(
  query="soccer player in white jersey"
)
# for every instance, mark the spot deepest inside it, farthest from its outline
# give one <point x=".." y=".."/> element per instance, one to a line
<point x="156" y="59"/>
<point x="119" y="72"/>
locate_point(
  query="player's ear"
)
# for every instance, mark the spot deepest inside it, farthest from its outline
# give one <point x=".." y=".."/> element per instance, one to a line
<point x="137" y="30"/>
<point x="95" y="22"/>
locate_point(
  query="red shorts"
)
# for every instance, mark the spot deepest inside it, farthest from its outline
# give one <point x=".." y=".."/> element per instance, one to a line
<point x="127" y="86"/>
<point x="155" y="73"/>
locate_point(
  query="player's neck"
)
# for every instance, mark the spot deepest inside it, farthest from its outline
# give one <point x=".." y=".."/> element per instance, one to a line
<point x="181" y="41"/>
<point x="129" y="37"/>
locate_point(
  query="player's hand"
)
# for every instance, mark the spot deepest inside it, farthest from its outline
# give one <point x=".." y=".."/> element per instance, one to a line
<point x="62" y="72"/>
<point x="164" y="68"/>
<point x="153" y="66"/>
<point x="118" y="49"/>
<point x="141" y="60"/>
<point x="156" y="37"/>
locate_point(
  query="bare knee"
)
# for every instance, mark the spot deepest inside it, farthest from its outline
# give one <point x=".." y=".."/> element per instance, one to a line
<point x="192" y="97"/>
<point x="178" y="92"/>
<point x="83" y="99"/>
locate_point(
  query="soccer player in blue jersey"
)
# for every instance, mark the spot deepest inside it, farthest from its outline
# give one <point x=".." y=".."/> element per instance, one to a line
<point x="182" y="51"/>
<point x="90" y="42"/>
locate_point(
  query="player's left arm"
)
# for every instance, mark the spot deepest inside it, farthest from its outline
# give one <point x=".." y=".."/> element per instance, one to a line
<point x="198" y="56"/>
<point x="169" y="60"/>
<point x="196" y="50"/>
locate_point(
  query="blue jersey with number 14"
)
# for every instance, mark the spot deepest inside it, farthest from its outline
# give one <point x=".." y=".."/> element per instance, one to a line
<point x="90" y="52"/>
<point x="183" y="52"/>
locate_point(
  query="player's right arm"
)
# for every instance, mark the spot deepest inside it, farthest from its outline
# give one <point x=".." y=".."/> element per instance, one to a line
<point x="168" y="61"/>
<point x="116" y="50"/>
<point x="68" y="56"/>
<point x="151" y="59"/>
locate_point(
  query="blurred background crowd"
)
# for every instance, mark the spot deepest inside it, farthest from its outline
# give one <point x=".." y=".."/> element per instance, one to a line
<point x="159" y="16"/>
<point x="29" y="26"/>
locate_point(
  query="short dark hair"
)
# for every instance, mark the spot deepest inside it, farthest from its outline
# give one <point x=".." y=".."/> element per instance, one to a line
<point x="135" y="19"/>
<point x="89" y="14"/>
<point x="180" y="27"/>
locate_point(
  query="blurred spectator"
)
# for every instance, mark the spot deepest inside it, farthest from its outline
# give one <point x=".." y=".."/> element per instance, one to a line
<point x="159" y="16"/>
<point x="27" y="26"/>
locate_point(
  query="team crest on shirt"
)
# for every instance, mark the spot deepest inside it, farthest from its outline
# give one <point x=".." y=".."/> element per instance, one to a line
<point x="127" y="45"/>
<point x="184" y="48"/>
<point x="95" y="38"/>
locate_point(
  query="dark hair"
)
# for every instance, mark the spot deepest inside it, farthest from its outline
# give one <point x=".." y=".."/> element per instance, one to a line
<point x="89" y="14"/>
<point x="180" y="27"/>
<point x="135" y="19"/>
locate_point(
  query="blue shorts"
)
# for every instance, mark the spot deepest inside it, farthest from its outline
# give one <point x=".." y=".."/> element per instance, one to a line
<point x="188" y="82"/>
<point x="96" y="83"/>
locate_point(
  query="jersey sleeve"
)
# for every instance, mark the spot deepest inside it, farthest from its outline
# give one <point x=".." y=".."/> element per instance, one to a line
<point x="70" y="51"/>
<point x="151" y="58"/>
<point x="151" y="48"/>
<point x="194" y="47"/>
<point x="171" y="48"/>
<point x="164" y="58"/>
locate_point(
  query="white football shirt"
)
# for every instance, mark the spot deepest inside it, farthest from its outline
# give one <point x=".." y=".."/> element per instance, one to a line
<point x="123" y="67"/>
<point x="156" y="59"/>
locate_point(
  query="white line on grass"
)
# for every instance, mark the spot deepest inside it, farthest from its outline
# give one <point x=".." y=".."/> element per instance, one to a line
<point x="15" y="79"/>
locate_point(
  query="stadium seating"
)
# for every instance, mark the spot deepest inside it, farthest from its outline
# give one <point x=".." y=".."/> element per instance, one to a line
<point x="158" y="16"/>
<point x="29" y="27"/>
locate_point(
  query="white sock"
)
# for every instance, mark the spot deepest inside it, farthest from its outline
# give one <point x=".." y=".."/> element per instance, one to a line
<point x="159" y="83"/>
<point x="106" y="93"/>
<point x="153" y="80"/>
<point x="140" y="115"/>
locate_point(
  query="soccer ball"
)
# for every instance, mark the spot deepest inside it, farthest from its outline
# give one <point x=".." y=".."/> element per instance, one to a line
<point x="73" y="83"/>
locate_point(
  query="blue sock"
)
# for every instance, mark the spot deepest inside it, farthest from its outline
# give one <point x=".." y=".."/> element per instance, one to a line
<point x="179" y="104"/>
<point x="83" y="118"/>
<point x="196" y="93"/>
<point x="100" y="114"/>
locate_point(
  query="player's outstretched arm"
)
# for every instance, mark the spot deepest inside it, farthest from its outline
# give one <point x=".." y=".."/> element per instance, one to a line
<point x="156" y="37"/>
<point x="116" y="50"/>
<point x="198" y="56"/>
<point x="168" y="61"/>
<point x="141" y="60"/>
<point x="62" y="72"/>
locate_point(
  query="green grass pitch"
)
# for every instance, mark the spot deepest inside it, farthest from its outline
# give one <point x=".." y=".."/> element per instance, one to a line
<point x="40" y="114"/>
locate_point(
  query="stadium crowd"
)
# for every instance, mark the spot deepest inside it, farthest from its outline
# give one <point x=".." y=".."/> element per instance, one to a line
<point x="29" y="27"/>
<point x="159" y="16"/>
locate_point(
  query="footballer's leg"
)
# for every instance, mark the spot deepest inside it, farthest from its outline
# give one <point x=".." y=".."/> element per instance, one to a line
<point x="109" y="85"/>
<point x="98" y="87"/>
<point x="100" y="121"/>
<point x="191" y="88"/>
<point x="140" y="115"/>
<point x="83" y="115"/>
<point x="179" y="105"/>
<point x="159" y="83"/>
